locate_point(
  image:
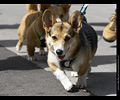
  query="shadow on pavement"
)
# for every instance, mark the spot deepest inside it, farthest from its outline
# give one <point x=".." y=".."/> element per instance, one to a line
<point x="17" y="63"/>
<point x="9" y="43"/>
<point x="98" y="24"/>
<point x="103" y="59"/>
<point x="10" y="61"/>
<point x="15" y="26"/>
<point x="102" y="83"/>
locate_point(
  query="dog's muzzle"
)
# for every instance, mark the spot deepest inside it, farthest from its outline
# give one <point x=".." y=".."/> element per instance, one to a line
<point x="60" y="55"/>
<point x="59" y="52"/>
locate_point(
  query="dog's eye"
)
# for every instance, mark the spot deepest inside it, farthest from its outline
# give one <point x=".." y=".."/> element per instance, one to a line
<point x="54" y="38"/>
<point x="67" y="38"/>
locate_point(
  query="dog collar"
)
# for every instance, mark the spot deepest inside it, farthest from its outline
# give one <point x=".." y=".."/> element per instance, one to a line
<point x="67" y="63"/>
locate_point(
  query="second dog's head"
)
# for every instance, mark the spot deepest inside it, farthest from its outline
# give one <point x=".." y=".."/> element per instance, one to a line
<point x="62" y="37"/>
<point x="57" y="11"/>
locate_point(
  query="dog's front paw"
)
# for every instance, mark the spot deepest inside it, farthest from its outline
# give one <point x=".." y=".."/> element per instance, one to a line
<point x="68" y="86"/>
<point x="31" y="58"/>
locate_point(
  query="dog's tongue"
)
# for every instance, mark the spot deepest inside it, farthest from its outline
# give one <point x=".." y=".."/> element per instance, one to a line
<point x="60" y="58"/>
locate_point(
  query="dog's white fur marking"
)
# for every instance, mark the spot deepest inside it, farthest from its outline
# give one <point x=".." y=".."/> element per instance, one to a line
<point x="60" y="75"/>
<point x="74" y="74"/>
<point x="63" y="79"/>
<point x="18" y="48"/>
<point x="52" y="59"/>
<point x="31" y="58"/>
<point x="60" y="46"/>
<point x="58" y="20"/>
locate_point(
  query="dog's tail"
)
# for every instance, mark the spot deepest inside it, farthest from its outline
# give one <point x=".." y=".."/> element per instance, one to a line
<point x="31" y="7"/>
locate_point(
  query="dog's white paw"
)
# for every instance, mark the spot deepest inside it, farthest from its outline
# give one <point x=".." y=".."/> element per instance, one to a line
<point x="18" y="48"/>
<point x="68" y="86"/>
<point x="74" y="74"/>
<point x="31" y="58"/>
<point x="42" y="52"/>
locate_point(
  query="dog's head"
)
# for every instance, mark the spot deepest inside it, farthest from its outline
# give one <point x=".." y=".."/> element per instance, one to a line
<point x="57" y="11"/>
<point x="62" y="37"/>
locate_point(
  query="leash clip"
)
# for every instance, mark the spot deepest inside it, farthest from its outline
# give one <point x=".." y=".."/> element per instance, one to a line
<point x="67" y="64"/>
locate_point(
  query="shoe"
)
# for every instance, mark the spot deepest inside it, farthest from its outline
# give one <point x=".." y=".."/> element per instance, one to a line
<point x="110" y="31"/>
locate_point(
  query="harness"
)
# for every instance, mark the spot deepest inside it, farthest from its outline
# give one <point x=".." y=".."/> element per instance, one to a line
<point x="41" y="39"/>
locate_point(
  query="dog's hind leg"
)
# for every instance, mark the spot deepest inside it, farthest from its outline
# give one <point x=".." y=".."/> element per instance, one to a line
<point x="30" y="50"/>
<point x="82" y="78"/>
<point x="42" y="51"/>
<point x="82" y="81"/>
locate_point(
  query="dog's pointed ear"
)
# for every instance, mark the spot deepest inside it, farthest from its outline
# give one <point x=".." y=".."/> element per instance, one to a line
<point x="75" y="20"/>
<point x="44" y="7"/>
<point x="65" y="7"/>
<point x="47" y="19"/>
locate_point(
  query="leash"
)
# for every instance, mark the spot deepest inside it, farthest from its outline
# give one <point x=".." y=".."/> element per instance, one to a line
<point x="83" y="9"/>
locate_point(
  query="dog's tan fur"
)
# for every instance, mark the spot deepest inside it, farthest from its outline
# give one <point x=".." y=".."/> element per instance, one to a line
<point x="56" y="34"/>
<point x="25" y="30"/>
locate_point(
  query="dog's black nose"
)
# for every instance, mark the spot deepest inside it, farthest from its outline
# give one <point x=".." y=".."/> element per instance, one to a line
<point x="59" y="52"/>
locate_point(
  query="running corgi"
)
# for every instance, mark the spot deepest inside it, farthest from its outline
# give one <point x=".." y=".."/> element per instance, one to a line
<point x="71" y="45"/>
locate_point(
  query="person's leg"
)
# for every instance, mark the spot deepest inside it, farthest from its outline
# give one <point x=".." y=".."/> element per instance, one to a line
<point x="110" y="31"/>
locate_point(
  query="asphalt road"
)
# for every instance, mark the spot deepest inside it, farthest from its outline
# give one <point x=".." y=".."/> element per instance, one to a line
<point x="21" y="77"/>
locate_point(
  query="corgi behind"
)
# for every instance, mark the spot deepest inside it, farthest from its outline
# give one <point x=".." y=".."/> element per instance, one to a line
<point x="31" y="27"/>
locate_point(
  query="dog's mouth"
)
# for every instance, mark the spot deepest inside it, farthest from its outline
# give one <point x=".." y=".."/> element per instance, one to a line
<point x="60" y="58"/>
